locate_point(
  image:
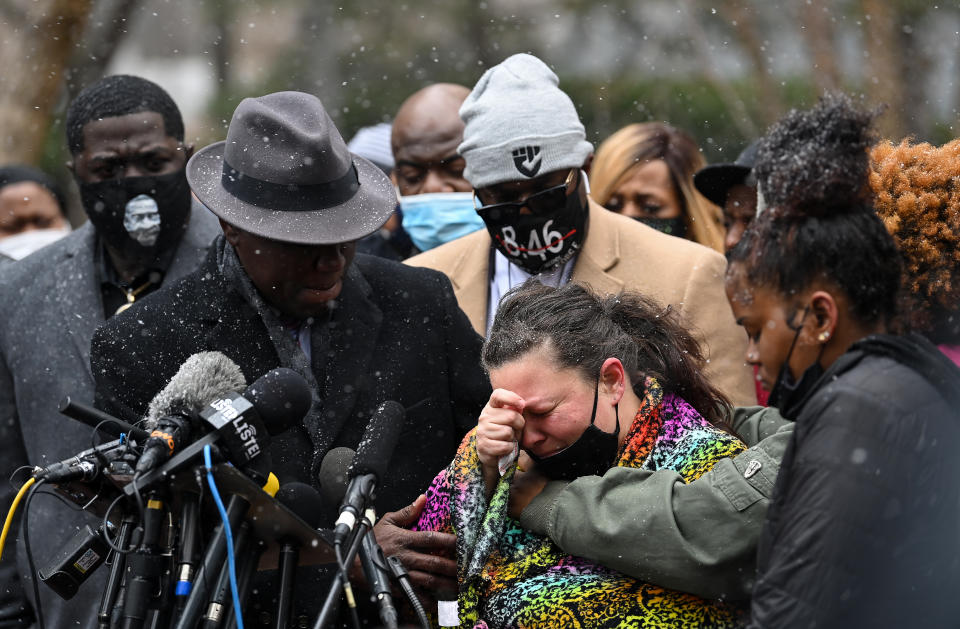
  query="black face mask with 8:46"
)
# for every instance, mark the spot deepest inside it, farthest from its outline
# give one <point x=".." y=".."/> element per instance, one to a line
<point x="538" y="241"/>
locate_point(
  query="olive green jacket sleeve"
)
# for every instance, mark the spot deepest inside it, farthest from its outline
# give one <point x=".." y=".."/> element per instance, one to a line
<point x="699" y="537"/>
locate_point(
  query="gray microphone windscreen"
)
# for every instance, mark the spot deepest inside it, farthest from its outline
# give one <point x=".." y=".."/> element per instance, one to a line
<point x="202" y="378"/>
<point x="333" y="475"/>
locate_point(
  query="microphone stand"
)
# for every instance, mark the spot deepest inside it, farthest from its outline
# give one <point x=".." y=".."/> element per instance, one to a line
<point x="222" y="597"/>
<point x="187" y="551"/>
<point x="329" y="609"/>
<point x="213" y="560"/>
<point x="248" y="567"/>
<point x="118" y="563"/>
<point x="146" y="566"/>
<point x="377" y="573"/>
<point x="289" y="557"/>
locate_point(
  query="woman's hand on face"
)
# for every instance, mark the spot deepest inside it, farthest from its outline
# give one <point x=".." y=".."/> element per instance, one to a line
<point x="499" y="427"/>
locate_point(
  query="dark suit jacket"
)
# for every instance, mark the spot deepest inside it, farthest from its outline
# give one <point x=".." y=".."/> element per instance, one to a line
<point x="50" y="305"/>
<point x="397" y="334"/>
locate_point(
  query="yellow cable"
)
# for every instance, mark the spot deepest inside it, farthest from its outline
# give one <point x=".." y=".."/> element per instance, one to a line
<point x="13" y="509"/>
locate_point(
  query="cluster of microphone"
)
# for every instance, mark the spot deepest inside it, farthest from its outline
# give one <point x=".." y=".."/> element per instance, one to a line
<point x="164" y="570"/>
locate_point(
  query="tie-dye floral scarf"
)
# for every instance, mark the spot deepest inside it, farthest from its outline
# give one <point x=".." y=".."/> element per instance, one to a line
<point x="509" y="577"/>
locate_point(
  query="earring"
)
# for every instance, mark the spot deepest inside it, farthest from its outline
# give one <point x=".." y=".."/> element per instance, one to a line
<point x="824" y="337"/>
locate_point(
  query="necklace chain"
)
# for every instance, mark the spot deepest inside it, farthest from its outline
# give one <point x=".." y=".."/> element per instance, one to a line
<point x="132" y="295"/>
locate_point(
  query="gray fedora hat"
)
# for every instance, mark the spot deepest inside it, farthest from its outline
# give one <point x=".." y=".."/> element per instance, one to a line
<point x="285" y="173"/>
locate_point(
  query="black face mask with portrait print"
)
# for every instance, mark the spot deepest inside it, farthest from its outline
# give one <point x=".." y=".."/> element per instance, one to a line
<point x="105" y="203"/>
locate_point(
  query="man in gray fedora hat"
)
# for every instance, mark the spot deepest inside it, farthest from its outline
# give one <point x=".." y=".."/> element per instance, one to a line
<point x="283" y="286"/>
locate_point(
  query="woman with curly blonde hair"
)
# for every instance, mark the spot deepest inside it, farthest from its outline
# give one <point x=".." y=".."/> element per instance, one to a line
<point x="645" y="171"/>
<point x="916" y="190"/>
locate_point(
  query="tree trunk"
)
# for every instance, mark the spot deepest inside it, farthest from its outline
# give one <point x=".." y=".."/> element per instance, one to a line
<point x="109" y="22"/>
<point x="882" y="81"/>
<point x="818" y="33"/>
<point x="749" y="36"/>
<point x="37" y="40"/>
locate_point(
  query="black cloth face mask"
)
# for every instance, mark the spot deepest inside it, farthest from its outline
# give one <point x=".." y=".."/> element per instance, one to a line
<point x="549" y="235"/>
<point x="788" y="392"/>
<point x="673" y="226"/>
<point x="140" y="217"/>
<point x="592" y="454"/>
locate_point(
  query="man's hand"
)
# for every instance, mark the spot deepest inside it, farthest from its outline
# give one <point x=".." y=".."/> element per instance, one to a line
<point x="527" y="485"/>
<point x="427" y="555"/>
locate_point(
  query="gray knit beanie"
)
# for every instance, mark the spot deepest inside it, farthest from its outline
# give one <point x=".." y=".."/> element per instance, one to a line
<point x="519" y="125"/>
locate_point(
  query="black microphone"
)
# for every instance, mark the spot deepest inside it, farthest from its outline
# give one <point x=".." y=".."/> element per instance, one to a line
<point x="369" y="465"/>
<point x="282" y="397"/>
<point x="333" y="475"/>
<point x="243" y="422"/>
<point x="304" y="501"/>
<point x="334" y="472"/>
<point x="95" y="418"/>
<point x="168" y="436"/>
<point x="202" y="378"/>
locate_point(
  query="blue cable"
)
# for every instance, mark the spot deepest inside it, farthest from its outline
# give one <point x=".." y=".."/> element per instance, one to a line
<point x="226" y="527"/>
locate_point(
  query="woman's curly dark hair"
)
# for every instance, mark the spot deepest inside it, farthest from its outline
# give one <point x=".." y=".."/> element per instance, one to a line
<point x="916" y="189"/>
<point x="818" y="224"/>
<point x="814" y="162"/>
<point x="583" y="329"/>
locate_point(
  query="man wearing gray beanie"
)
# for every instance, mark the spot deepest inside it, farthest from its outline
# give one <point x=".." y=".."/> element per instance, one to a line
<point x="525" y="150"/>
<point x="525" y="147"/>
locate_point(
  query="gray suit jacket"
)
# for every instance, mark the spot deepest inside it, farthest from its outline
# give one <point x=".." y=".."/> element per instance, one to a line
<point x="50" y="306"/>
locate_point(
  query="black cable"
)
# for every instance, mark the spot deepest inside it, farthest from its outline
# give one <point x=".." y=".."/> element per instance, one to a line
<point x="13" y="483"/>
<point x="400" y="573"/>
<point x="141" y="509"/>
<point x="341" y="564"/>
<point x="93" y="435"/>
<point x="26" y="542"/>
<point x="69" y="503"/>
<point x="106" y="529"/>
<point x="204" y="540"/>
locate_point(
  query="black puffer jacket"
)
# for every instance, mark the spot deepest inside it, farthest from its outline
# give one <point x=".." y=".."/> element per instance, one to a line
<point x="864" y="527"/>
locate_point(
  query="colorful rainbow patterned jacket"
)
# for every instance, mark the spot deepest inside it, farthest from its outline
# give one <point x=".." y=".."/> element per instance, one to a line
<point x="509" y="577"/>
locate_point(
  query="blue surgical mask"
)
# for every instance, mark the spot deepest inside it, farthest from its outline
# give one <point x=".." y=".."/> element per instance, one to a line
<point x="435" y="218"/>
